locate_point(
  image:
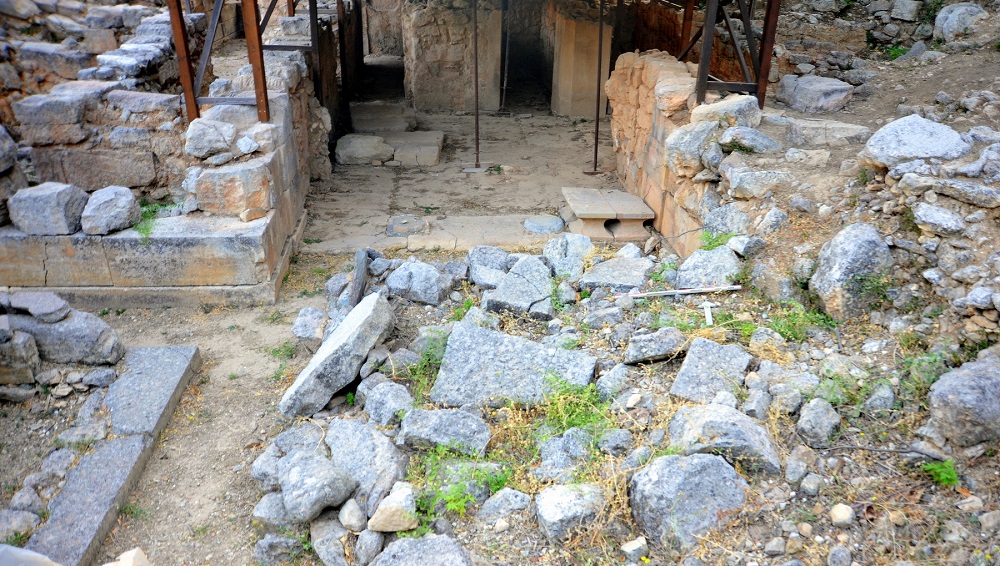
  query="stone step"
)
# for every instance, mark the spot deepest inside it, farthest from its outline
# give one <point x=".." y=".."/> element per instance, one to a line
<point x="141" y="402"/>
<point x="606" y="214"/>
<point x="416" y="148"/>
<point x="382" y="118"/>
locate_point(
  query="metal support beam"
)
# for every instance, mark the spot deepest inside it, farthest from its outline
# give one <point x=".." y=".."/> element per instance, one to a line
<point x="183" y="57"/>
<point x="475" y="69"/>
<point x="767" y="48"/>
<point x="314" y="41"/>
<point x="600" y="57"/>
<point x="251" y="16"/>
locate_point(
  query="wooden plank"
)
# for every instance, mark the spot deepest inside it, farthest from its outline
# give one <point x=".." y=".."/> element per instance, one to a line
<point x="183" y="57"/>
<point x="251" y="15"/>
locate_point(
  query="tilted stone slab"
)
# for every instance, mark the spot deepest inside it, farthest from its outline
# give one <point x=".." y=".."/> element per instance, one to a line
<point x="966" y="191"/>
<point x="339" y="358"/>
<point x="82" y="513"/>
<point x="709" y="368"/>
<point x="143" y="398"/>
<point x="485" y="366"/>
<point x="619" y="274"/>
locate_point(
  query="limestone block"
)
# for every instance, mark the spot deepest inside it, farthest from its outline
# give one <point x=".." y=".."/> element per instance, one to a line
<point x="357" y="149"/>
<point x="416" y="148"/>
<point x="73" y="261"/>
<point x="110" y="209"/>
<point x="8" y="151"/>
<point x="44" y="109"/>
<point x="92" y="169"/>
<point x="22" y="258"/>
<point x="154" y="108"/>
<point x="206" y="137"/>
<point x="19" y="361"/>
<point x="55" y="58"/>
<point x="49" y="208"/>
<point x="21" y="9"/>
<point x="242" y="189"/>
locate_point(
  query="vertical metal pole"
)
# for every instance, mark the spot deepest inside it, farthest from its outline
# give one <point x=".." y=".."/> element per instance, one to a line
<point x="251" y="30"/>
<point x="345" y="76"/>
<point x="506" y="60"/>
<point x="708" y="39"/>
<point x="475" y="69"/>
<point x="600" y="56"/>
<point x="183" y="57"/>
<point x="291" y="7"/>
<point x="314" y="43"/>
<point x="767" y="48"/>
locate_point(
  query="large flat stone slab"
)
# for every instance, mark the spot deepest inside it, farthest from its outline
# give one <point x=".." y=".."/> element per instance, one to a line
<point x="381" y="118"/>
<point x="85" y="509"/>
<point x="416" y="148"/>
<point x="484" y="366"/>
<point x="143" y="398"/>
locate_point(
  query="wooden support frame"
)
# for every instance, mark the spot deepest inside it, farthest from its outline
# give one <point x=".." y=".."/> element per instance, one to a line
<point x="251" y="15"/>
<point x="184" y="57"/>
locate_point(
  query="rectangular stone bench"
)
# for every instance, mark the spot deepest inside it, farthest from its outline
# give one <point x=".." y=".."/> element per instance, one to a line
<point x="604" y="214"/>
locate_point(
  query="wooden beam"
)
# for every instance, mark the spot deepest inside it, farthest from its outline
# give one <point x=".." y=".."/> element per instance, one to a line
<point x="255" y="54"/>
<point x="183" y="57"/>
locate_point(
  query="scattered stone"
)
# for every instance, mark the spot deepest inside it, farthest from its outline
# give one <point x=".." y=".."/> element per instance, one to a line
<point x="727" y="219"/>
<point x="709" y="268"/>
<point x="775" y="547"/>
<point x="613" y="382"/>
<point x="746" y="246"/>
<point x="451" y="428"/>
<point x="615" y="441"/>
<point x="842" y="515"/>
<point x="43" y="305"/>
<point x="965" y="191"/>
<point x="525" y="290"/>
<point x="387" y="403"/>
<point x="964" y="406"/>
<point x="882" y="398"/>
<point x="80" y="337"/>
<point x="856" y="254"/>
<point x="566" y="254"/>
<point x="270" y="516"/>
<point x="13" y="522"/>
<point x="938" y="220"/>
<point x="812" y="93"/>
<point x="369" y="457"/>
<point x="677" y="498"/>
<point x="544" y="224"/>
<point x="718" y="429"/>
<point x="310" y="483"/>
<point x="420" y="282"/>
<point x="397" y="512"/>
<point x="309" y="324"/>
<point x="482" y="365"/>
<point x="659" y="345"/>
<point x="502" y="504"/>
<point x="265" y="469"/>
<point x="368" y="546"/>
<point x="16" y="394"/>
<point x="358" y="149"/>
<point x="441" y="550"/>
<point x="327" y="534"/>
<point x="352" y="516"/>
<point x="110" y="209"/>
<point x="273" y="550"/>
<point x="561" y="455"/>
<point x="740" y="138"/>
<point x="635" y="550"/>
<point x="340" y="357"/>
<point x="562" y="509"/>
<point x="708" y="368"/>
<point x="912" y="137"/>
<point x="49" y="209"/>
<point x="958" y="20"/>
<point x="618" y="275"/>
<point x="817" y="422"/>
<point x="19" y="360"/>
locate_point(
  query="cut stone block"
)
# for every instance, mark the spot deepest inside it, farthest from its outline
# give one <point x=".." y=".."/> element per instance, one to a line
<point x="55" y="58"/>
<point x="143" y="398"/>
<point x="43" y="305"/>
<point x="49" y="208"/>
<point x="416" y="148"/>
<point x="358" y="149"/>
<point x="92" y="169"/>
<point x="380" y="118"/>
<point x="243" y="189"/>
<point x="19" y="359"/>
<point x="85" y="509"/>
<point x="110" y="209"/>
<point x="607" y="214"/>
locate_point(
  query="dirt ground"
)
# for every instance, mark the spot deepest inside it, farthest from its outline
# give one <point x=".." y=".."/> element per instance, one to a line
<point x="194" y="500"/>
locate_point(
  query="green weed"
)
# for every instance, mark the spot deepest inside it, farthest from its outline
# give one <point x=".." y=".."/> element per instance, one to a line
<point x="350" y="399"/>
<point x="17" y="539"/>
<point x="459" y="312"/>
<point x="279" y="373"/>
<point x="569" y="406"/>
<point x="133" y="511"/>
<point x="233" y="376"/>
<point x="792" y="321"/>
<point x="874" y="287"/>
<point x="422" y="373"/>
<point x="311" y="240"/>
<point x="894" y="52"/>
<point x="744" y="328"/>
<point x="104" y="312"/>
<point x="942" y="473"/>
<point x="710" y="240"/>
<point x="284" y="351"/>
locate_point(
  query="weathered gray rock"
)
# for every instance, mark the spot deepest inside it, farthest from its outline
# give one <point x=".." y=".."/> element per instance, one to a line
<point x="21" y="9"/>
<point x="488" y="256"/>
<point x="727" y="219"/>
<point x="958" y="20"/>
<point x="854" y="256"/>
<point x="525" y="290"/>
<point x="685" y="146"/>
<point x="615" y="441"/>
<point x="26" y="499"/>
<point x="707" y="268"/>
<point x="352" y="516"/>
<point x="205" y="138"/>
<point x="16" y="394"/>
<point x="79" y="338"/>
<point x="388" y="402"/>
<point x="439" y="550"/>
<point x="49" y="209"/>
<point x="43" y="305"/>
<point x="909" y="138"/>
<point x="772" y="221"/>
<point x="310" y="483"/>
<point x="965" y="191"/>
<point x="142" y="400"/>
<point x="369" y="457"/>
<point x="812" y="93"/>
<point x="110" y="209"/>
<point x="757" y="404"/>
<point x="964" y="404"/>
<point x="326" y="534"/>
<point x="309" y="324"/>
<point x="501" y="504"/>
<point x="618" y="274"/>
<point x="817" y="422"/>
<point x="717" y="429"/>
<point x="805" y="132"/>
<point x="13" y="522"/>
<point x="265" y="469"/>
<point x="561" y="455"/>
<point x="397" y="512"/>
<point x="736" y="109"/>
<point x="19" y="360"/>
<point x="358" y="149"/>
<point x="677" y="498"/>
<point x="368" y="546"/>
<point x="486" y="277"/>
<point x="420" y="282"/>
<point x="566" y="254"/>
<point x="544" y="224"/>
<point x="273" y="550"/>
<point x="482" y="365"/>
<point x="741" y="138"/>
<point x="339" y="358"/>
<point x="745" y="183"/>
<point x="708" y="368"/>
<point x="8" y="150"/>
<point x="562" y="509"/>
<point x="660" y="345"/>
<point x="451" y="428"/>
<point x="306" y="437"/>
<point x="938" y="220"/>
<point x="613" y="382"/>
<point x="270" y="516"/>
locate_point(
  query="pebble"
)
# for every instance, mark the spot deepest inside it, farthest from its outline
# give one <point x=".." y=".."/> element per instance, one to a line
<point x="842" y="515"/>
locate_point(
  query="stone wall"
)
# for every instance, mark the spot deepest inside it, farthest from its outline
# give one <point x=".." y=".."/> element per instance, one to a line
<point x="651" y="94"/>
<point x="384" y="27"/>
<point x="437" y="54"/>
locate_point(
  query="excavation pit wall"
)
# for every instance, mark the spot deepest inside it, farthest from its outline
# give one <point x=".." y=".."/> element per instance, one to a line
<point x="227" y="238"/>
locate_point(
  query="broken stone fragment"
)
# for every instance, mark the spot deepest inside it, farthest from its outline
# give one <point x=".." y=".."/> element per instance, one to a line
<point x="47" y="209"/>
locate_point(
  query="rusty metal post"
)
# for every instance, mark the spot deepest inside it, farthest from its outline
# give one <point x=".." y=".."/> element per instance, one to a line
<point x="600" y="57"/>
<point x="183" y="57"/>
<point x="346" y="65"/>
<point x="767" y="48"/>
<point x="251" y="15"/>
<point x="707" y="42"/>
<point x="475" y="69"/>
<point x="688" y="21"/>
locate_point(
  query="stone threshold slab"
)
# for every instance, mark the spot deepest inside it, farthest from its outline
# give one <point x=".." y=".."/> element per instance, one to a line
<point x="86" y="508"/>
